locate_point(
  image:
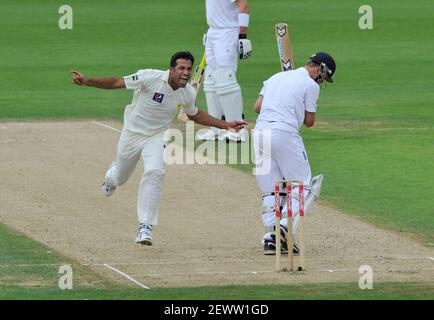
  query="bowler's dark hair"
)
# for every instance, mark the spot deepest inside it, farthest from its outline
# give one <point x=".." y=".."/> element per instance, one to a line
<point x="181" y="55"/>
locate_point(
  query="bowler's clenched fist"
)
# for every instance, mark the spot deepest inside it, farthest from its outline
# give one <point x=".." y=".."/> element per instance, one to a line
<point x="78" y="78"/>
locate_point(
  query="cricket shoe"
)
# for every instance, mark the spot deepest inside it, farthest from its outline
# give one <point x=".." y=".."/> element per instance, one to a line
<point x="270" y="247"/>
<point x="144" y="234"/>
<point x="108" y="185"/>
<point x="209" y="135"/>
<point x="295" y="249"/>
<point x="283" y="237"/>
<point x="235" y="137"/>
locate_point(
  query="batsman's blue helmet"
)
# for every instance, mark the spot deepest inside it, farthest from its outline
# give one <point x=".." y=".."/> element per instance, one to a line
<point x="325" y="60"/>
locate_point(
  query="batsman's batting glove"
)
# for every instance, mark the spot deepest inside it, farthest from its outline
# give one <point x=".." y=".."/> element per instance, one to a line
<point x="244" y="47"/>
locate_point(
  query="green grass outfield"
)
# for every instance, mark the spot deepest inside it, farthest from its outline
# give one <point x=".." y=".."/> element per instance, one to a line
<point x="29" y="270"/>
<point x="375" y="135"/>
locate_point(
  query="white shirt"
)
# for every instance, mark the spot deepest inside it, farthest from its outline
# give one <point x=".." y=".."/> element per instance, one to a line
<point x="222" y="13"/>
<point x="154" y="103"/>
<point x="286" y="96"/>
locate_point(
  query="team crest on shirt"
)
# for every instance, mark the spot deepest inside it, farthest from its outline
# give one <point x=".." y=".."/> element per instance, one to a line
<point x="158" y="97"/>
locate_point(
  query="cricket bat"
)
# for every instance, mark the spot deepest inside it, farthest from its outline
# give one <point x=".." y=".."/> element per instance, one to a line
<point x="196" y="82"/>
<point x="284" y="47"/>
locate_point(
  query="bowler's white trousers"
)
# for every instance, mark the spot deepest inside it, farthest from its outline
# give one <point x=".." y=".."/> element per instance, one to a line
<point x="130" y="147"/>
<point x="281" y="156"/>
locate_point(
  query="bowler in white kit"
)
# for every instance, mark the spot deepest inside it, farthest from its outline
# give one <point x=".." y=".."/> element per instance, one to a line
<point x="287" y="101"/>
<point x="151" y="112"/>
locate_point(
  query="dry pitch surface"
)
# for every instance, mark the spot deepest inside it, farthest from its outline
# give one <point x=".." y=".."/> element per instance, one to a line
<point x="210" y="223"/>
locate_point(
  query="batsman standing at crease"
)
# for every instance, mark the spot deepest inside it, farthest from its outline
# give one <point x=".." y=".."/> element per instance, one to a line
<point x="151" y="112"/>
<point x="225" y="42"/>
<point x="286" y="102"/>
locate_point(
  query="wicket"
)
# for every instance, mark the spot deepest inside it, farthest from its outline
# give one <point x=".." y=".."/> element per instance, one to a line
<point x="287" y="185"/>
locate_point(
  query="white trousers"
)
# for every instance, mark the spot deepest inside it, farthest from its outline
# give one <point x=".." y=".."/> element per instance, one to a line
<point x="221" y="48"/>
<point x="222" y="91"/>
<point x="284" y="154"/>
<point x="130" y="147"/>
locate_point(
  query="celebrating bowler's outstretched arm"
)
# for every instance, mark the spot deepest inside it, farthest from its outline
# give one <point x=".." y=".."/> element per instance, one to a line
<point x="205" y="119"/>
<point x="102" y="83"/>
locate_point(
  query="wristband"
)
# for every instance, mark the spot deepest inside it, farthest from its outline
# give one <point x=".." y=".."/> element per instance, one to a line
<point x="243" y="19"/>
<point x="242" y="36"/>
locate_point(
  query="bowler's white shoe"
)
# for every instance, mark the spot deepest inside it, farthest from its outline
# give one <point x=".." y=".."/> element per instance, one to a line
<point x="108" y="185"/>
<point x="144" y="234"/>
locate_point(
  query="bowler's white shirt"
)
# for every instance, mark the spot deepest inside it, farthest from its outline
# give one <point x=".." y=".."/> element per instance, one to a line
<point x="286" y="96"/>
<point x="154" y="103"/>
<point x="222" y="13"/>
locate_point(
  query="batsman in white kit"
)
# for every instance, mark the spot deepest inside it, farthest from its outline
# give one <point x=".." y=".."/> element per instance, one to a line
<point x="225" y="42"/>
<point x="287" y="101"/>
<point x="156" y="96"/>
